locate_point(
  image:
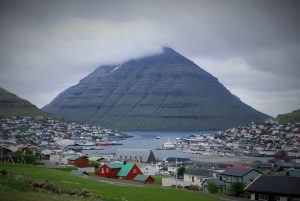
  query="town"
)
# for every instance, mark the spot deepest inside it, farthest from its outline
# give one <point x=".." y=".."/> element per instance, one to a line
<point x="57" y="144"/>
<point x="256" y="139"/>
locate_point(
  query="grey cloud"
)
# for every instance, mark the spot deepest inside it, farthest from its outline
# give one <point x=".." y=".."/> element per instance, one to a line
<point x="46" y="46"/>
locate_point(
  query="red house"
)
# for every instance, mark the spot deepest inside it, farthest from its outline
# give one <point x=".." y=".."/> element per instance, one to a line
<point x="79" y="161"/>
<point x="129" y="171"/>
<point x="109" y="170"/>
<point x="147" y="179"/>
<point x="126" y="171"/>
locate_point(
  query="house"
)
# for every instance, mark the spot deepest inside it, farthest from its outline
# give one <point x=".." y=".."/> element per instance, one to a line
<point x="126" y="171"/>
<point x="137" y="155"/>
<point x="279" y="188"/>
<point x="129" y="171"/>
<point x="95" y="159"/>
<point x="147" y="179"/>
<point x="244" y="175"/>
<point x="81" y="162"/>
<point x="221" y="185"/>
<point x="197" y="176"/>
<point x="288" y="173"/>
<point x="264" y="167"/>
<point x="7" y="154"/>
<point x="109" y="170"/>
<point x="148" y="169"/>
<point x="171" y="181"/>
<point x="173" y="160"/>
<point x="45" y="154"/>
<point x="172" y="170"/>
<point x="287" y="165"/>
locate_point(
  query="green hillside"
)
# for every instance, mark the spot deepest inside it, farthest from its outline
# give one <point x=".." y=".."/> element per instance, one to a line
<point x="13" y="189"/>
<point x="289" y="117"/>
<point x="165" y="91"/>
<point x="12" y="105"/>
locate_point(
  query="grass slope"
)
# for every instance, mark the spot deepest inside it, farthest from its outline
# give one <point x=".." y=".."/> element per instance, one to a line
<point x="289" y="117"/>
<point x="12" y="105"/>
<point x="10" y="190"/>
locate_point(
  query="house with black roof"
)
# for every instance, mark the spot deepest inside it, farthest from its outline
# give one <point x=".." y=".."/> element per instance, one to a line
<point x="265" y="167"/>
<point x="287" y="165"/>
<point x="277" y="188"/>
<point x="244" y="175"/>
<point x="220" y="184"/>
<point x="197" y="176"/>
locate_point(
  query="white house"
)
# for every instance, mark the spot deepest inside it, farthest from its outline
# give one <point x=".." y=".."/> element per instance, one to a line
<point x="148" y="169"/>
<point x="197" y="176"/>
<point x="172" y="170"/>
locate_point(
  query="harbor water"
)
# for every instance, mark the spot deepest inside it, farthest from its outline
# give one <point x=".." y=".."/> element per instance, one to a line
<point x="154" y="139"/>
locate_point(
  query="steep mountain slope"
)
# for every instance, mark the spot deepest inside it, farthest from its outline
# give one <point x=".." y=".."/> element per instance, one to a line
<point x="160" y="92"/>
<point x="289" y="117"/>
<point x="12" y="105"/>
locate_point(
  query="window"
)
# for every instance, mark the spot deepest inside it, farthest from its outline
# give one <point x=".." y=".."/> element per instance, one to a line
<point x="102" y="170"/>
<point x="262" y="197"/>
<point x="134" y="170"/>
<point x="107" y="170"/>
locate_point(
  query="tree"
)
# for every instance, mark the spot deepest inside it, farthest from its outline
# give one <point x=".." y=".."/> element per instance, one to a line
<point x="180" y="171"/>
<point x="19" y="156"/>
<point x="237" y="188"/>
<point x="30" y="158"/>
<point x="212" y="187"/>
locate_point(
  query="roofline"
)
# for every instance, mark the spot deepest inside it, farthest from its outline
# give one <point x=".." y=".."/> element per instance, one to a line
<point x="265" y="191"/>
<point x="241" y="175"/>
<point x="272" y="192"/>
<point x="252" y="182"/>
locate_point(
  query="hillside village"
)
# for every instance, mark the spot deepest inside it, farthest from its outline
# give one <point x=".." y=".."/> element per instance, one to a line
<point x="255" y="139"/>
<point x="59" y="144"/>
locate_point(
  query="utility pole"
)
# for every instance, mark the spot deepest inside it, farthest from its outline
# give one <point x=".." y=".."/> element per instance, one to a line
<point x="176" y="171"/>
<point x="1" y="154"/>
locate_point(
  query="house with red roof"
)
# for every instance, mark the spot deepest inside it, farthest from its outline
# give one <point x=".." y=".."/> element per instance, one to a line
<point x="81" y="162"/>
<point x="238" y="166"/>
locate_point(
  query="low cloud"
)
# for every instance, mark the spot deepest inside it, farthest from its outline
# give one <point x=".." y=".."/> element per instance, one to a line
<point x="252" y="47"/>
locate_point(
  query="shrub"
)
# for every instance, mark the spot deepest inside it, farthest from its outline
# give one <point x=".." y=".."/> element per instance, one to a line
<point x="193" y="187"/>
<point x="237" y="189"/>
<point x="212" y="187"/>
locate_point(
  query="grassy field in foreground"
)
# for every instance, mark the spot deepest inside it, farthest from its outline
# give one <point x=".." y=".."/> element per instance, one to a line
<point x="14" y="190"/>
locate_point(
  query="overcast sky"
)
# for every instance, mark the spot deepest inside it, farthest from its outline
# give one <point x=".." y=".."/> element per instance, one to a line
<point x="252" y="47"/>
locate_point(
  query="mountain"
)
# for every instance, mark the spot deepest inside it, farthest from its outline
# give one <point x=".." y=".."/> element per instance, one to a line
<point x="164" y="91"/>
<point x="292" y="117"/>
<point x="12" y="105"/>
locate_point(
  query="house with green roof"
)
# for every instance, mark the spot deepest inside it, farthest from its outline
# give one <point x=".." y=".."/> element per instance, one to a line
<point x="144" y="178"/>
<point x="126" y="171"/>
